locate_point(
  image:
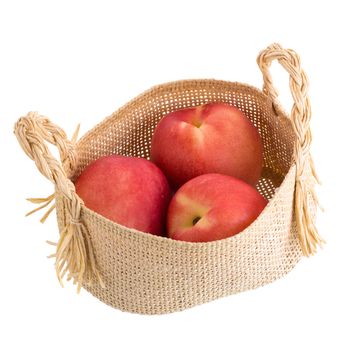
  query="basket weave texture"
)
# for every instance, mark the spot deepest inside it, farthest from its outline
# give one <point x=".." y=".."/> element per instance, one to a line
<point x="142" y="273"/>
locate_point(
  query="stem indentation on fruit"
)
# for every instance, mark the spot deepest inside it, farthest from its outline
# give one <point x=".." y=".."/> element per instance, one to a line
<point x="195" y="220"/>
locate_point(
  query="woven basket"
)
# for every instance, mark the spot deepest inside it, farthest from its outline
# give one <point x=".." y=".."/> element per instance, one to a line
<point x="139" y="272"/>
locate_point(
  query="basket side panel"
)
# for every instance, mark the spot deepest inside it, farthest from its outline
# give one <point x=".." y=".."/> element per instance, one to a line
<point x="153" y="275"/>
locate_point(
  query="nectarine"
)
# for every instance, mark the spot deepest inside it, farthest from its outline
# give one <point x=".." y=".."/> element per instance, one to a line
<point x="211" y="207"/>
<point x="130" y="191"/>
<point x="212" y="138"/>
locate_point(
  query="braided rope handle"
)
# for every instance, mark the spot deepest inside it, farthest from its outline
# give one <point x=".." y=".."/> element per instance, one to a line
<point x="300" y="116"/>
<point x="74" y="252"/>
<point x="32" y="131"/>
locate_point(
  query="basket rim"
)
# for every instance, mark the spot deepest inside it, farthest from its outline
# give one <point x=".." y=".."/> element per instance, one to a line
<point x="183" y="83"/>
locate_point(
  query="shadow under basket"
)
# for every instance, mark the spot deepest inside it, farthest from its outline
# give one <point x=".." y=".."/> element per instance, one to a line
<point x="142" y="273"/>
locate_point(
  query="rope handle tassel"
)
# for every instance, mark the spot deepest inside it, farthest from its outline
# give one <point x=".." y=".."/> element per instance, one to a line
<point x="74" y="252"/>
<point x="300" y="116"/>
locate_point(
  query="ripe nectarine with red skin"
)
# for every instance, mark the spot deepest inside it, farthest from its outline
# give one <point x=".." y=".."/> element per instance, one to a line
<point x="128" y="190"/>
<point x="212" y="138"/>
<point x="212" y="207"/>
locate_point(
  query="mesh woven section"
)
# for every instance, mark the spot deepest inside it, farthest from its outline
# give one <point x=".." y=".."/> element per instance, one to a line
<point x="147" y="274"/>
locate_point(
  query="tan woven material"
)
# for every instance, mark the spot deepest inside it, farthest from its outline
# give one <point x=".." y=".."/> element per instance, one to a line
<point x="142" y="273"/>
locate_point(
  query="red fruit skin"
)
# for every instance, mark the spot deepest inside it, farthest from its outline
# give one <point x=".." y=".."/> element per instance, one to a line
<point x="212" y="138"/>
<point x="130" y="191"/>
<point x="225" y="206"/>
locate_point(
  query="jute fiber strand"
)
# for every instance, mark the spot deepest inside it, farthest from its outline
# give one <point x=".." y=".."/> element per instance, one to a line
<point x="139" y="272"/>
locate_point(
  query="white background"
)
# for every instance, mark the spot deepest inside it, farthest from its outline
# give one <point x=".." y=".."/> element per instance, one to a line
<point x="78" y="61"/>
